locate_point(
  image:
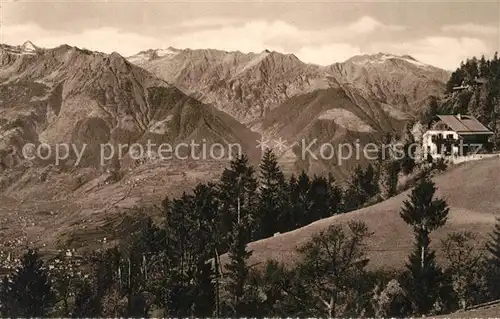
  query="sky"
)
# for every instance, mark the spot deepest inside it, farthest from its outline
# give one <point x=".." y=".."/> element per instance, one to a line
<point x="440" y="33"/>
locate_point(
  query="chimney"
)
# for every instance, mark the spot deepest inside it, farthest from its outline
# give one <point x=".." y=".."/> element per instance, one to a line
<point x="459" y="116"/>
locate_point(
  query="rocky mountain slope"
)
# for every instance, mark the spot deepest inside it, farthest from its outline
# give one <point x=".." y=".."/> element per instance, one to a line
<point x="399" y="81"/>
<point x="84" y="99"/>
<point x="283" y="98"/>
<point x="247" y="86"/>
<point x="68" y="95"/>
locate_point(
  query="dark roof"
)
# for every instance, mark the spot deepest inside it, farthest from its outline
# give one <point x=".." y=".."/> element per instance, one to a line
<point x="464" y="124"/>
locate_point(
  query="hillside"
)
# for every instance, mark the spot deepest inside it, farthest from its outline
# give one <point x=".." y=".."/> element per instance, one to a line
<point x="470" y="189"/>
<point x="488" y="310"/>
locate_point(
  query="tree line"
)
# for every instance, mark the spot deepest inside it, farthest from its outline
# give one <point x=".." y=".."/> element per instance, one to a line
<point x="474" y="89"/>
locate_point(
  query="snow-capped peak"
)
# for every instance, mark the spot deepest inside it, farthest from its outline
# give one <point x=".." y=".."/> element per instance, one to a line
<point x="167" y="51"/>
<point x="152" y="54"/>
<point x="28" y="46"/>
<point x="384" y="57"/>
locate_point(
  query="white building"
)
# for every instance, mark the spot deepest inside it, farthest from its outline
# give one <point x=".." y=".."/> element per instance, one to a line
<point x="454" y="135"/>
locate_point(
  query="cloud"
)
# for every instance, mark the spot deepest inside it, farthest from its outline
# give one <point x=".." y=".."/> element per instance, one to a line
<point x="329" y="53"/>
<point x="368" y="24"/>
<point x="104" y="39"/>
<point x="224" y="33"/>
<point x="471" y="28"/>
<point x="208" y="22"/>
<point x="440" y="51"/>
<point x="260" y="34"/>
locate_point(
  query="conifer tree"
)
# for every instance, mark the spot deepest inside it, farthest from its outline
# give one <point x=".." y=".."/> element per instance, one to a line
<point x="493" y="262"/>
<point x="407" y="163"/>
<point x="324" y="197"/>
<point x="237" y="270"/>
<point x="192" y="240"/>
<point x="356" y="193"/>
<point x="389" y="178"/>
<point x="432" y="111"/>
<point x="424" y="214"/>
<point x="206" y="240"/>
<point x="237" y="191"/>
<point x="87" y="303"/>
<point x="4" y="288"/>
<point x="271" y="195"/>
<point x="28" y="293"/>
<point x="299" y="200"/>
<point x="369" y="182"/>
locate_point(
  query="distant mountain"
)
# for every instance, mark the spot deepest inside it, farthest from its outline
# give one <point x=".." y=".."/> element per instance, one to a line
<point x="247" y="86"/>
<point x="282" y="97"/>
<point x="399" y="81"/>
<point x="152" y="54"/>
<point x="71" y="95"/>
<point x="26" y="48"/>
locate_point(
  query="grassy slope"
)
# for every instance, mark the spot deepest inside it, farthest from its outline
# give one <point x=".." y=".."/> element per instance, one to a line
<point x="472" y="191"/>
<point x="490" y="310"/>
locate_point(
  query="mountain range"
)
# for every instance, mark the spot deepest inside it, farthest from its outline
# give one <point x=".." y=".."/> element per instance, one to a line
<point x="72" y="95"/>
<point x="281" y="97"/>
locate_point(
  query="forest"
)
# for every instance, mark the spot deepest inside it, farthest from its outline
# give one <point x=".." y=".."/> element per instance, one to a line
<point x="196" y="261"/>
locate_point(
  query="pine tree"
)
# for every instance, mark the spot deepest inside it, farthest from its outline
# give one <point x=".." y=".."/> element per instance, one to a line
<point x="237" y="191"/>
<point x="432" y="110"/>
<point x="237" y="269"/>
<point x="271" y="196"/>
<point x="356" y="194"/>
<point x="389" y="178"/>
<point x="28" y="293"/>
<point x="493" y="262"/>
<point x="484" y="67"/>
<point x="369" y="182"/>
<point x="4" y="297"/>
<point x="87" y="304"/>
<point x="64" y="273"/>
<point x="299" y="200"/>
<point x="324" y="197"/>
<point x="204" y="248"/>
<point x="190" y="236"/>
<point x="407" y="163"/>
<point x="424" y="214"/>
<point x="192" y="240"/>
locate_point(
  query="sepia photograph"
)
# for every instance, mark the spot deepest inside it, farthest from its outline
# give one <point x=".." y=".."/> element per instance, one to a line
<point x="249" y="159"/>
